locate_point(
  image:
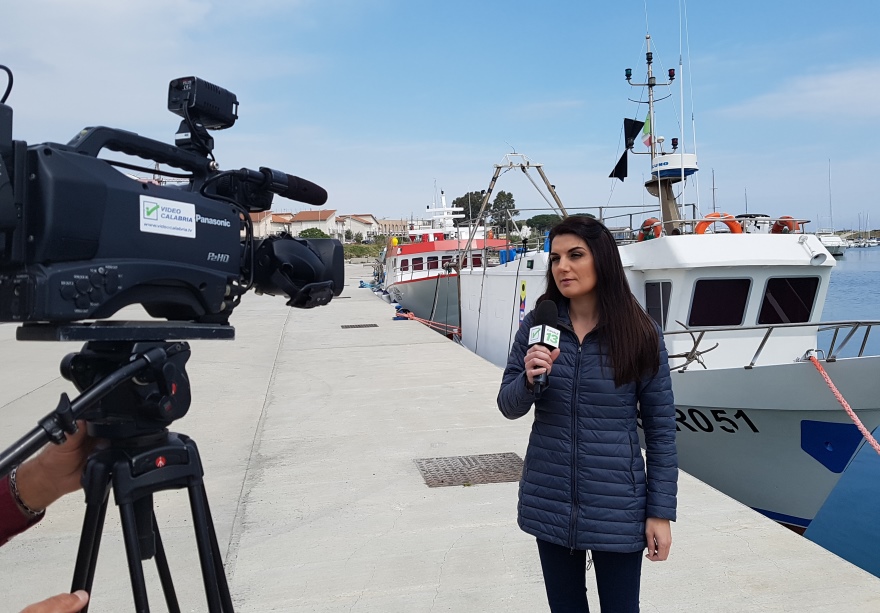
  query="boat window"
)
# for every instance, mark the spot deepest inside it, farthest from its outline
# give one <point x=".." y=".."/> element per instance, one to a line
<point x="447" y="259"/>
<point x="404" y="264"/>
<point x="657" y="300"/>
<point x="719" y="302"/>
<point x="788" y="300"/>
<point x="477" y="260"/>
<point x="433" y="262"/>
<point x="418" y="264"/>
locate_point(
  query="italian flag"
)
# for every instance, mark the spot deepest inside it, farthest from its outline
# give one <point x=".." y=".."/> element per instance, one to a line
<point x="646" y="131"/>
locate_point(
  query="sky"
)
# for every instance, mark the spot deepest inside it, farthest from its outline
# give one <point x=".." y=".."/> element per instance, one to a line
<point x="386" y="102"/>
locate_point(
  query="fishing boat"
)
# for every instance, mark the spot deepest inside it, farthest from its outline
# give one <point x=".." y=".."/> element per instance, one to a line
<point x="834" y="243"/>
<point x="421" y="273"/>
<point x="739" y="300"/>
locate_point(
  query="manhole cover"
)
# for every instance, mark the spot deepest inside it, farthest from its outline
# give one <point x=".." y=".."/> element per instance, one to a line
<point x="470" y="469"/>
<point x="347" y="326"/>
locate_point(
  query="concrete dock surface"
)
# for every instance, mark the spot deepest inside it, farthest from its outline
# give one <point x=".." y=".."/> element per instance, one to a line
<point x="308" y="432"/>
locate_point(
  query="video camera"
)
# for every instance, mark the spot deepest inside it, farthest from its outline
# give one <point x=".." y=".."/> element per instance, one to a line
<point x="80" y="239"/>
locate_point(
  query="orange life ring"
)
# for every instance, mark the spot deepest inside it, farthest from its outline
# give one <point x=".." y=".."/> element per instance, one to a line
<point x="650" y="226"/>
<point x="785" y="224"/>
<point x="726" y="218"/>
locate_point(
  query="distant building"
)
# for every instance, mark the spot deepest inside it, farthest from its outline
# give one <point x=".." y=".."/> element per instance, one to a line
<point x="364" y="224"/>
<point x="324" y="220"/>
<point x="268" y="223"/>
<point x="393" y="227"/>
<point x="262" y="223"/>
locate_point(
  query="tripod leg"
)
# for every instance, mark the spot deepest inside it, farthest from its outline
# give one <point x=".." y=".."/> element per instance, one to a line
<point x="165" y="572"/>
<point x="96" y="485"/>
<point x="132" y="552"/>
<point x="197" y="501"/>
<point x="218" y="559"/>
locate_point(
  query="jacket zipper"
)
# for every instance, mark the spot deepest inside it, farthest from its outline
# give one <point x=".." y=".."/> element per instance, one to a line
<point x="572" y="528"/>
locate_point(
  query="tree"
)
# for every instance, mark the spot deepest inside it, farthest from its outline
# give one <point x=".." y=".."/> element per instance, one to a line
<point x="470" y="202"/>
<point x="542" y="223"/>
<point x="496" y="211"/>
<point x="348" y="235"/>
<point x="313" y="233"/>
<point x="358" y="238"/>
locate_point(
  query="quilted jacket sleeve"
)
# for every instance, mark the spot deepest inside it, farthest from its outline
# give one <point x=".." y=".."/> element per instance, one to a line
<point x="657" y="410"/>
<point x="515" y="399"/>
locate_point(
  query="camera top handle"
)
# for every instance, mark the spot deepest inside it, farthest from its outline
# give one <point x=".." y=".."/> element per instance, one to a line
<point x="90" y="141"/>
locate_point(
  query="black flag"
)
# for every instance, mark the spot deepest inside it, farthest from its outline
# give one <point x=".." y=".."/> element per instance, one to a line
<point x="619" y="171"/>
<point x="631" y="129"/>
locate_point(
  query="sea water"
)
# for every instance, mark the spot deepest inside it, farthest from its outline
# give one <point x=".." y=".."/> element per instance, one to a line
<point x="854" y="295"/>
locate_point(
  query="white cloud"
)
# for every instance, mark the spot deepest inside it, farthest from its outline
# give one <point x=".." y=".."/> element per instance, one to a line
<point x="842" y="95"/>
<point x="105" y="62"/>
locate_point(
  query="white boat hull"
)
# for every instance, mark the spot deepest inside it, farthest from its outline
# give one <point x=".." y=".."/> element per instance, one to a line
<point x="434" y="298"/>
<point x="769" y="436"/>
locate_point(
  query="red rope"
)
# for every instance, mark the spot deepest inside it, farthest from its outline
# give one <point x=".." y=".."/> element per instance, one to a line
<point x="436" y="325"/>
<point x="852" y="414"/>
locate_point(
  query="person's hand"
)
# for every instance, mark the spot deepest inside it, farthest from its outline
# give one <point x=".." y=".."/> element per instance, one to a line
<point x="56" y="471"/>
<point x="659" y="535"/>
<point x="62" y="603"/>
<point x="539" y="359"/>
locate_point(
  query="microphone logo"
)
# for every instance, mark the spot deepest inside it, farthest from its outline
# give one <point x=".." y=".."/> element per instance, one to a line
<point x="545" y="335"/>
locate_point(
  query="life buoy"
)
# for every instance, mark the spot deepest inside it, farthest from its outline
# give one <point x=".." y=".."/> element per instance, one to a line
<point x="784" y="225"/>
<point x="650" y="229"/>
<point x="726" y="218"/>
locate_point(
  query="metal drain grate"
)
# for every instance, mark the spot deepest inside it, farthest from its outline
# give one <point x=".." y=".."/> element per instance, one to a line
<point x="347" y="326"/>
<point x="470" y="469"/>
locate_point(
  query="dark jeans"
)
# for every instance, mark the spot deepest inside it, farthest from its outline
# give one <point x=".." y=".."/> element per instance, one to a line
<point x="618" y="577"/>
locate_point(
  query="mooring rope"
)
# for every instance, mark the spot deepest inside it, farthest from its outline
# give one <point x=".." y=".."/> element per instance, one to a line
<point x="852" y="414"/>
<point x="435" y="325"/>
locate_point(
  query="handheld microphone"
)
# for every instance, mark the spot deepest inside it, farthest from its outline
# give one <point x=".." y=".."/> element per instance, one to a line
<point x="544" y="332"/>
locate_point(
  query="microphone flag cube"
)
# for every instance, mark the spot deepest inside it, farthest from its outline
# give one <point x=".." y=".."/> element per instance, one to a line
<point x="545" y="335"/>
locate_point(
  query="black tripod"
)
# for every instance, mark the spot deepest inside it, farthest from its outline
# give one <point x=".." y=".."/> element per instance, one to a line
<point x="131" y="391"/>
<point x="137" y="468"/>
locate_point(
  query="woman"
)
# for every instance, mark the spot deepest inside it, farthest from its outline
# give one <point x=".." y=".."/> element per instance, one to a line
<point x="584" y="486"/>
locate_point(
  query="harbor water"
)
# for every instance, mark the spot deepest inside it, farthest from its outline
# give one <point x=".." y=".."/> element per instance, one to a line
<point x="854" y="294"/>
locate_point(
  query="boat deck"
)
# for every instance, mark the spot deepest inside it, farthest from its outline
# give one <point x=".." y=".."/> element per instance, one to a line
<point x="309" y="432"/>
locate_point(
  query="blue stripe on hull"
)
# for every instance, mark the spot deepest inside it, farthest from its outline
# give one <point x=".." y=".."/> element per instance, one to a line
<point x="848" y="524"/>
<point x="782" y="518"/>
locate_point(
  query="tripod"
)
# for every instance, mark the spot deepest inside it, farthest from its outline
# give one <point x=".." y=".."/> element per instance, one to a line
<point x="136" y="468"/>
<point x="131" y="391"/>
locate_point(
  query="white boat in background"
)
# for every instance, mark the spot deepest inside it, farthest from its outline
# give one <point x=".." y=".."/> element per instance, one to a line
<point x="832" y="242"/>
<point x="421" y="274"/>
<point x="741" y="314"/>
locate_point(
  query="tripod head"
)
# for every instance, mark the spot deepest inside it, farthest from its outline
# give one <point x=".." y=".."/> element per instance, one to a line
<point x="144" y="404"/>
<point x="133" y="381"/>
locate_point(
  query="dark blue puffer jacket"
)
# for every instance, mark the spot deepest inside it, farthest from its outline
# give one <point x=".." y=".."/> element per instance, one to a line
<point x="584" y="484"/>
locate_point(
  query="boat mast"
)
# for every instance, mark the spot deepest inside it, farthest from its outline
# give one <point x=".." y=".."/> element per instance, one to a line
<point x="830" y="208"/>
<point x="660" y="187"/>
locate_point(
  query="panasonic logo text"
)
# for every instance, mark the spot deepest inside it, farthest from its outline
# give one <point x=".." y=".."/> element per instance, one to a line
<point x="212" y="221"/>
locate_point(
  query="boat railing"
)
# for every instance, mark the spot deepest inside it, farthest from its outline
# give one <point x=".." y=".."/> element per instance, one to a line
<point x="847" y="329"/>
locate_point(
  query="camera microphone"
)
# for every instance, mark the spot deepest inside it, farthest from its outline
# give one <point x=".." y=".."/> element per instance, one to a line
<point x="285" y="185"/>
<point x="544" y="332"/>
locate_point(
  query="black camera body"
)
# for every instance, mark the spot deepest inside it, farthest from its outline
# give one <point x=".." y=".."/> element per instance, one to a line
<point x="80" y="239"/>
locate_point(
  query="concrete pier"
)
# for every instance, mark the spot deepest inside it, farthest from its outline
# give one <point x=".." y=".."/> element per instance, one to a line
<point x="308" y="432"/>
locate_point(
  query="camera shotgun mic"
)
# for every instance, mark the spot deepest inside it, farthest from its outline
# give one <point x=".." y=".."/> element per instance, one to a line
<point x="285" y="185"/>
<point x="544" y="332"/>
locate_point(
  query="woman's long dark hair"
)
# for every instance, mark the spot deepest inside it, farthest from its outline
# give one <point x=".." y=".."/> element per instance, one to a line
<point x="628" y="334"/>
